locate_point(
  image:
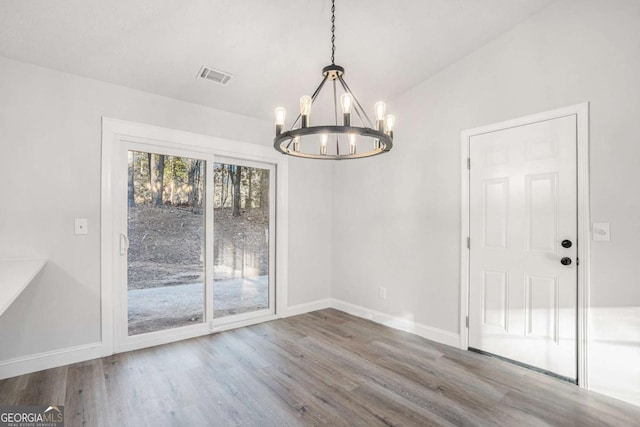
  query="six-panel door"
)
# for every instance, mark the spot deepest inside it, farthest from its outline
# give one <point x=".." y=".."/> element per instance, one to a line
<point x="523" y="205"/>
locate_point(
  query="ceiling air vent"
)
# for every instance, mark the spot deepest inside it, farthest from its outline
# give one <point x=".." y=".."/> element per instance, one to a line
<point x="214" y="75"/>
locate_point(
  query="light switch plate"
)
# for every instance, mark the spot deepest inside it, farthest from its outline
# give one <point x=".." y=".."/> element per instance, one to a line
<point x="82" y="226"/>
<point x="600" y="231"/>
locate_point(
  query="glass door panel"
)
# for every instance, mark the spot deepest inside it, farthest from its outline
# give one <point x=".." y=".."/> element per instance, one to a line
<point x="243" y="220"/>
<point x="166" y="234"/>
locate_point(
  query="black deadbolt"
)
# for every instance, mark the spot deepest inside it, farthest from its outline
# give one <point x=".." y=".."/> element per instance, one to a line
<point x="565" y="261"/>
<point x="566" y="243"/>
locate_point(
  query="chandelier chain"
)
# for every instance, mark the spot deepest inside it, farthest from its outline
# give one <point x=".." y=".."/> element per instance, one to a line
<point x="333" y="32"/>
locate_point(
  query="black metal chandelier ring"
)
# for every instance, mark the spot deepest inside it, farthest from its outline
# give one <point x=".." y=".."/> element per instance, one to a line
<point x="283" y="141"/>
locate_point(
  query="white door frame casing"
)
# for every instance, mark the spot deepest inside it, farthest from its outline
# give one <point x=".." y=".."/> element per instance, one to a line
<point x="114" y="131"/>
<point x="581" y="111"/>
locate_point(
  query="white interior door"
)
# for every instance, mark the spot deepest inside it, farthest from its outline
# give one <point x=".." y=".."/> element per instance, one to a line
<point x="523" y="226"/>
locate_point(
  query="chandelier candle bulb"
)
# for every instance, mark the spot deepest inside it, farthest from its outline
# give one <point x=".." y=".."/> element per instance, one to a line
<point x="346" y="101"/>
<point x="280" y="115"/>
<point x="296" y="144"/>
<point x="389" y="124"/>
<point x="323" y="143"/>
<point x="352" y="144"/>
<point x="380" y="109"/>
<point x="305" y="110"/>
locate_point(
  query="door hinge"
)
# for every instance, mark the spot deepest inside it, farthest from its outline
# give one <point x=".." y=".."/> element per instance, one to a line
<point x="468" y="162"/>
<point x="467" y="321"/>
<point x="468" y="242"/>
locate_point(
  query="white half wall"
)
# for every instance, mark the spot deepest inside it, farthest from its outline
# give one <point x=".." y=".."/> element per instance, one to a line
<point x="50" y="139"/>
<point x="396" y="218"/>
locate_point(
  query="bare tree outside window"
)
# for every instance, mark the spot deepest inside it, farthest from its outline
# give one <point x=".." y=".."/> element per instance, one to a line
<point x="166" y="235"/>
<point x="241" y="246"/>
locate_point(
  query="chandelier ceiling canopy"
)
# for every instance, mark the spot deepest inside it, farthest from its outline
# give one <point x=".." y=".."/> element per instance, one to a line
<point x="341" y="139"/>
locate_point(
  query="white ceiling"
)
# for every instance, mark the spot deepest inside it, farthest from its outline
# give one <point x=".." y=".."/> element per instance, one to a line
<point x="275" y="49"/>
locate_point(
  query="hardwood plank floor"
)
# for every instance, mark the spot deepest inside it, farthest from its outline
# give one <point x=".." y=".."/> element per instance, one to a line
<point x="321" y="368"/>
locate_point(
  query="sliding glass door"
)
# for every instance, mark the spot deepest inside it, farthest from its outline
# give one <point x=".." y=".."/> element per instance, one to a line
<point x="243" y="250"/>
<point x="166" y="232"/>
<point x="196" y="247"/>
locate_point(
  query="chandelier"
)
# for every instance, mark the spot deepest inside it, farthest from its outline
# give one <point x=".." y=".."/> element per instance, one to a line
<point x="340" y="140"/>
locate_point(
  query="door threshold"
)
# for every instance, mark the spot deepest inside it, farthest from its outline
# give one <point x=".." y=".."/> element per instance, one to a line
<point x="524" y="365"/>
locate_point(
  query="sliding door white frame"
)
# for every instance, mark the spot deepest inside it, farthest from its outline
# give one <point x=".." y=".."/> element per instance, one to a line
<point x="169" y="141"/>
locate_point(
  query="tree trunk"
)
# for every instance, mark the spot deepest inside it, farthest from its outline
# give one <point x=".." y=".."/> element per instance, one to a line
<point x="223" y="187"/>
<point x="198" y="193"/>
<point x="152" y="175"/>
<point x="247" y="198"/>
<point x="159" y="180"/>
<point x="226" y="180"/>
<point x="194" y="183"/>
<point x="131" y="201"/>
<point x="236" y="191"/>
<point x="264" y="190"/>
<point x="172" y="199"/>
<point x="190" y="182"/>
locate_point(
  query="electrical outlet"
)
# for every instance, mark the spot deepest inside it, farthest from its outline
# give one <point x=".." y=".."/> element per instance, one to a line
<point x="382" y="292"/>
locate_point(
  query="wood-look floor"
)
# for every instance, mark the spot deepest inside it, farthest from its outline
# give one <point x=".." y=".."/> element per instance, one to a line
<point x="322" y="368"/>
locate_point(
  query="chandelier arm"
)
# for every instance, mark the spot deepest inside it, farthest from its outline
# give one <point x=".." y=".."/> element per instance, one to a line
<point x="335" y="102"/>
<point x="335" y="111"/>
<point x="357" y="103"/>
<point x="313" y="98"/>
<point x="318" y="89"/>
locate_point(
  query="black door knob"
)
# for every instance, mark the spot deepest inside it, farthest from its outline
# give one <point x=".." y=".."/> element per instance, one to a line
<point x="566" y="243"/>
<point x="565" y="261"/>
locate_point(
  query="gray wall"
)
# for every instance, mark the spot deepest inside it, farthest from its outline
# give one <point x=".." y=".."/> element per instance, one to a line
<point x="396" y="219"/>
<point x="50" y="140"/>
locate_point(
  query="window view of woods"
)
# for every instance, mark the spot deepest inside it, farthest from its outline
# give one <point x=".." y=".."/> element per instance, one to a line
<point x="166" y="232"/>
<point x="241" y="239"/>
<point x="166" y="241"/>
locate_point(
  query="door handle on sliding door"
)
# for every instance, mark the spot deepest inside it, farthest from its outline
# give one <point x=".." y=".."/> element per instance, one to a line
<point x="124" y="244"/>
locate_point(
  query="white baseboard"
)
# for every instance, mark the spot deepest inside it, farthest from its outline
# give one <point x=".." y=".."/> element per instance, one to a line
<point x="66" y="356"/>
<point x="434" y="334"/>
<point x="295" y="310"/>
<point x="50" y="359"/>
